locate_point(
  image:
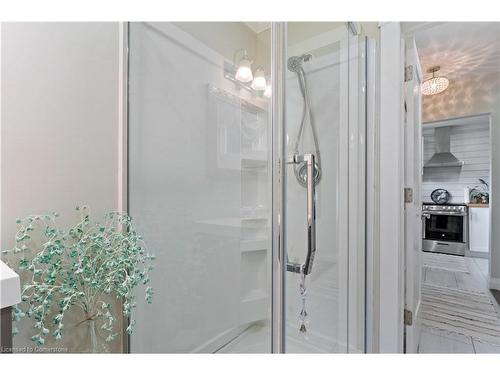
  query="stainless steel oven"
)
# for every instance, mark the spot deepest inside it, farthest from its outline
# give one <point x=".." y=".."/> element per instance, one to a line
<point x="445" y="228"/>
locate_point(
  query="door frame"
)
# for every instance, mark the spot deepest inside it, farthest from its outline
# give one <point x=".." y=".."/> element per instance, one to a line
<point x="278" y="145"/>
<point x="386" y="194"/>
<point x="413" y="207"/>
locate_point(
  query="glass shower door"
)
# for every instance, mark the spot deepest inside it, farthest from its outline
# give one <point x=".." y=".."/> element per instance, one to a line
<point x="199" y="185"/>
<point x="324" y="278"/>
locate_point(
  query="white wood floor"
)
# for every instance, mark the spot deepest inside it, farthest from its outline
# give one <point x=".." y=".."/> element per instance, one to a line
<point x="435" y="341"/>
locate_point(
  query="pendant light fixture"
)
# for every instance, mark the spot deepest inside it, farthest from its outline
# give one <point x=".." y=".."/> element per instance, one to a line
<point x="434" y="85"/>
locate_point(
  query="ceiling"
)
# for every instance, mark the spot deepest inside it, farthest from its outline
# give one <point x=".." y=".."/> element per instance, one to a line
<point x="469" y="55"/>
<point x="460" y="48"/>
<point x="258" y="27"/>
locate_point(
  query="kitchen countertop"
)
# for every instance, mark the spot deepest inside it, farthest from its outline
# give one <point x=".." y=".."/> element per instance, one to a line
<point x="478" y="205"/>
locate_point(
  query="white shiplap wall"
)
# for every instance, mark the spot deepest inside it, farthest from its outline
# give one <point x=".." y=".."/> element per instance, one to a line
<point x="469" y="143"/>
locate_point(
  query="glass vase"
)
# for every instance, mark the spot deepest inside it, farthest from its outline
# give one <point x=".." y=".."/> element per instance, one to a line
<point x="92" y="336"/>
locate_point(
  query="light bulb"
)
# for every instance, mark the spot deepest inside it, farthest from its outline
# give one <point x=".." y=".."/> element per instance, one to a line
<point x="259" y="80"/>
<point x="268" y="91"/>
<point x="244" y="72"/>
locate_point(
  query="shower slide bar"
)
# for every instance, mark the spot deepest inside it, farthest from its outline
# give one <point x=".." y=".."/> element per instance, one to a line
<point x="306" y="268"/>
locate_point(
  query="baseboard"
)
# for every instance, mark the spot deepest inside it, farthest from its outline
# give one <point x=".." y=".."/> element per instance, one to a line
<point x="215" y="343"/>
<point x="477" y="254"/>
<point x="494" y="283"/>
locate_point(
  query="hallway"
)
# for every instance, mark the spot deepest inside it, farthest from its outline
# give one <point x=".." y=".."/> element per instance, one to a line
<point x="458" y="312"/>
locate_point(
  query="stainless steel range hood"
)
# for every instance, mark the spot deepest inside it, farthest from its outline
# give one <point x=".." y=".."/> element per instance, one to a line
<point x="442" y="156"/>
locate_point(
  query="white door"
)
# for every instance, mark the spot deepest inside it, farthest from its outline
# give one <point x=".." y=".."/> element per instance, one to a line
<point x="413" y="196"/>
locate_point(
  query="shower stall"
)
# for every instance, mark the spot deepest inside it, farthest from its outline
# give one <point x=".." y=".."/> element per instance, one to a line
<point x="246" y="175"/>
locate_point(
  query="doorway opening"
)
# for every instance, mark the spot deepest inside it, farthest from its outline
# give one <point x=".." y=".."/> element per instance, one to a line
<point x="450" y="304"/>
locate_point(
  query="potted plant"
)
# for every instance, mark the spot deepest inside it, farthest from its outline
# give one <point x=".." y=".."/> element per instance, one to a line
<point x="84" y="267"/>
<point x="480" y="194"/>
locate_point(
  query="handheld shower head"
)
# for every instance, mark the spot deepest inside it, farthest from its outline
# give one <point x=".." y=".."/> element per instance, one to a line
<point x="294" y="63"/>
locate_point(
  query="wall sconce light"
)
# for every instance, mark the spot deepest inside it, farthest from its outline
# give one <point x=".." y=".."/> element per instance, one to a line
<point x="268" y="91"/>
<point x="240" y="72"/>
<point x="243" y="68"/>
<point x="259" y="80"/>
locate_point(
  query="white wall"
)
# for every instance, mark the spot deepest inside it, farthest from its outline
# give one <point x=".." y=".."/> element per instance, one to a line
<point x="470" y="144"/>
<point x="59" y="126"/>
<point x="236" y="35"/>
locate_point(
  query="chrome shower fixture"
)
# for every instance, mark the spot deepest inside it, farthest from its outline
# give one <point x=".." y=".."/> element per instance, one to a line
<point x="295" y="65"/>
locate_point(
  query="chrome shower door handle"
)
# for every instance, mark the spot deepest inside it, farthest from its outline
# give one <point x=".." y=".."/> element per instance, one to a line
<point x="306" y="268"/>
<point x="311" y="214"/>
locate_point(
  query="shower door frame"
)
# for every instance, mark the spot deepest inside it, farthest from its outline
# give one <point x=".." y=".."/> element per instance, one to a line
<point x="355" y="132"/>
<point x="278" y="168"/>
<point x="354" y="147"/>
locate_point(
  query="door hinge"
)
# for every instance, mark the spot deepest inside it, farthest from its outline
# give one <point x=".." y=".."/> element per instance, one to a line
<point x="408" y="195"/>
<point x="408" y="317"/>
<point x="408" y="73"/>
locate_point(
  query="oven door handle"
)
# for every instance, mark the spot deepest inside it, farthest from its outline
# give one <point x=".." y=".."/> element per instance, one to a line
<point x="444" y="213"/>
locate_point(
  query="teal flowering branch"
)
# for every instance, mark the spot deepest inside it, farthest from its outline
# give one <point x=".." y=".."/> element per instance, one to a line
<point x="79" y="269"/>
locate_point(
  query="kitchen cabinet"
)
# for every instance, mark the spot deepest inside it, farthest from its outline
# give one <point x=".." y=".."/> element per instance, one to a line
<point x="479" y="228"/>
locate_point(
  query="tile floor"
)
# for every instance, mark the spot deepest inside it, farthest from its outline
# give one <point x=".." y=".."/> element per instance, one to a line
<point x="435" y="341"/>
<point x="256" y="338"/>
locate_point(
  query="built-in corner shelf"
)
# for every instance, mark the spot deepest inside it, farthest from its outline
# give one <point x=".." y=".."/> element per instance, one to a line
<point x="255" y="218"/>
<point x="254" y="306"/>
<point x="253" y="164"/>
<point x="254" y="159"/>
<point x="254" y="245"/>
<point x="254" y="295"/>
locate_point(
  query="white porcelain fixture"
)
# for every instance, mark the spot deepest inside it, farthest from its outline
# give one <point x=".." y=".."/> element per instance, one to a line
<point x="10" y="286"/>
